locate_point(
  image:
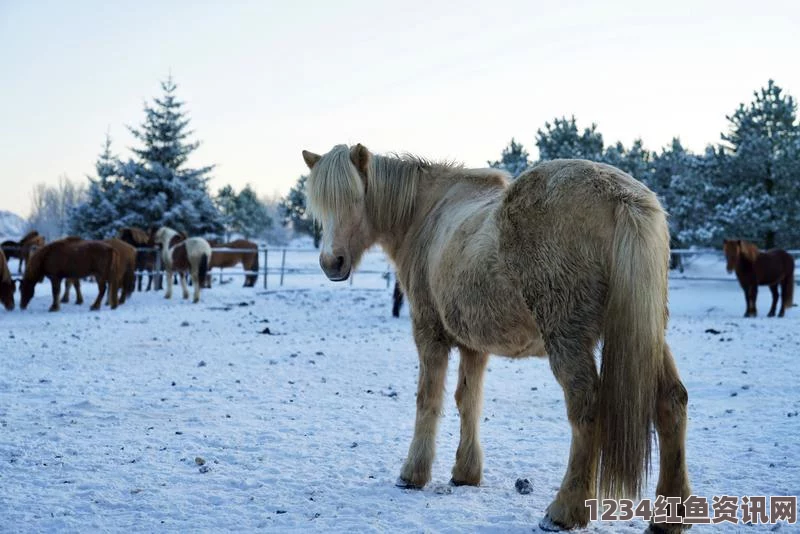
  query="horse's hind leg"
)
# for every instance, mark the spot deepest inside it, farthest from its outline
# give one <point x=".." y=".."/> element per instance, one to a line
<point x="416" y="471"/>
<point x="101" y="291"/>
<point x="774" y="289"/>
<point x="55" y="284"/>
<point x="752" y="296"/>
<point x="469" y="397"/>
<point x="673" y="480"/>
<point x="184" y="287"/>
<point x="78" y="294"/>
<point x="67" y="285"/>
<point x="196" y="282"/>
<point x="572" y="362"/>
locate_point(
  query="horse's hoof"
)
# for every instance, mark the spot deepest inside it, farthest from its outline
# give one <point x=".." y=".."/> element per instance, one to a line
<point x="406" y="485"/>
<point x="547" y="524"/>
<point x="54" y="309"/>
<point x="457" y="483"/>
<point x="657" y="528"/>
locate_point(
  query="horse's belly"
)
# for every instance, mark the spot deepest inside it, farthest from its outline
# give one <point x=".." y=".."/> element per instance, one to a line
<point x="501" y="325"/>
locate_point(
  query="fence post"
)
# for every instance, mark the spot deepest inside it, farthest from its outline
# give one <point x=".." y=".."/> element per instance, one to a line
<point x="220" y="276"/>
<point x="283" y="264"/>
<point x="266" y="266"/>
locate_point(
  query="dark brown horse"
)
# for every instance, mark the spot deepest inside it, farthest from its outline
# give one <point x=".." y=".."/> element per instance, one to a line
<point x="72" y="258"/>
<point x="145" y="259"/>
<point x="6" y="284"/>
<point x="755" y="268"/>
<point x="243" y="251"/>
<point x="22" y="249"/>
<point x="126" y="274"/>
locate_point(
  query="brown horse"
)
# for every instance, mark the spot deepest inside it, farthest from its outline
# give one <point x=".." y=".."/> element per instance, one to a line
<point x="6" y="284"/>
<point x="755" y="268"/>
<point x="571" y="253"/>
<point x="248" y="257"/>
<point x="145" y="259"/>
<point x="22" y="249"/>
<point x="126" y="273"/>
<point x="72" y="258"/>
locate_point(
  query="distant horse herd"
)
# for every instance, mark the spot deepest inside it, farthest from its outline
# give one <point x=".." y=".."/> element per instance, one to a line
<point x="118" y="264"/>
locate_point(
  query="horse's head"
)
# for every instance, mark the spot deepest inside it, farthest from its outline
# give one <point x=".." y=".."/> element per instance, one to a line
<point x="7" y="293"/>
<point x="26" y="288"/>
<point x="336" y="191"/>
<point x="731" y="248"/>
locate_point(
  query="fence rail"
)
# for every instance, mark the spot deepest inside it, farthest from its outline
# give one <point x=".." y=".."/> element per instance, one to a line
<point x="680" y="258"/>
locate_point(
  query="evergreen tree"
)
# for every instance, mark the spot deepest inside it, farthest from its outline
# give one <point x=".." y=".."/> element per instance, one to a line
<point x="163" y="191"/>
<point x="514" y="159"/>
<point x="561" y="139"/>
<point x="98" y="216"/>
<point x="762" y="180"/>
<point x="295" y="212"/>
<point x="243" y="213"/>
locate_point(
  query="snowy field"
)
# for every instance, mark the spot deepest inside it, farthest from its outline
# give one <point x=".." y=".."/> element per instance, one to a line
<point x="105" y="417"/>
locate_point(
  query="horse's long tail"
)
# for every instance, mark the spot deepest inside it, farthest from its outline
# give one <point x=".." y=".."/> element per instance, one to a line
<point x="202" y="269"/>
<point x="633" y="344"/>
<point x="788" y="289"/>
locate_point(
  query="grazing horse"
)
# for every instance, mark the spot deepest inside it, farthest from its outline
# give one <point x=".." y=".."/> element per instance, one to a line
<point x="248" y="257"/>
<point x="22" y="249"/>
<point x="71" y="258"/>
<point x="182" y="255"/>
<point x="145" y="259"/>
<point x="126" y="274"/>
<point x="755" y="268"/>
<point x="571" y="253"/>
<point x="7" y="286"/>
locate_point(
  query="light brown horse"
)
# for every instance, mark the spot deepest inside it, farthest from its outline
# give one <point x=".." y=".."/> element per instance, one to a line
<point x="22" y="249"/>
<point x="571" y="253"/>
<point x="72" y="258"/>
<point x="248" y="257"/>
<point x="755" y="268"/>
<point x="7" y="286"/>
<point x="126" y="273"/>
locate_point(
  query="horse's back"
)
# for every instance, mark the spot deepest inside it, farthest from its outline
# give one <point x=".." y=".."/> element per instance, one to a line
<point x="773" y="265"/>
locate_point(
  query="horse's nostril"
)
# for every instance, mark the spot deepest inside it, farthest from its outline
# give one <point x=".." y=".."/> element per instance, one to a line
<point x="339" y="262"/>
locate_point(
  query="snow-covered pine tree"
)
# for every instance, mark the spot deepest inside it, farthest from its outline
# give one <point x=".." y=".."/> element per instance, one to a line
<point x="561" y="139"/>
<point x="762" y="178"/>
<point x="98" y="216"/>
<point x="295" y="212"/>
<point x="243" y="213"/>
<point x="513" y="160"/>
<point x="163" y="190"/>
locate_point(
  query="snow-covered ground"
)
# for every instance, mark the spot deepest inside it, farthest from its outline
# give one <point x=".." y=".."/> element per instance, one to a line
<point x="105" y="416"/>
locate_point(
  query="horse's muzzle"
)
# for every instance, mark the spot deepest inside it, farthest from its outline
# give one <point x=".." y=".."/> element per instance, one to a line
<point x="335" y="267"/>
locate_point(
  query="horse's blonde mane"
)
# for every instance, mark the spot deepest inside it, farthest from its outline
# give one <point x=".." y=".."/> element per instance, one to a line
<point x="335" y="186"/>
<point x="749" y="250"/>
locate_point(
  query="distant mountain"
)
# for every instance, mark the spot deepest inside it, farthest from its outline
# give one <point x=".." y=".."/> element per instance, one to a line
<point x="12" y="226"/>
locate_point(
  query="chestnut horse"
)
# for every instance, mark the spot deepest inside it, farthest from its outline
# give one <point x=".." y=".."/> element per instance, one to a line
<point x="126" y="273"/>
<point x="71" y="258"/>
<point x="570" y="253"/>
<point x="7" y="286"/>
<point x="23" y="248"/>
<point x="248" y="257"/>
<point x="754" y="268"/>
<point x="182" y="255"/>
<point x="145" y="259"/>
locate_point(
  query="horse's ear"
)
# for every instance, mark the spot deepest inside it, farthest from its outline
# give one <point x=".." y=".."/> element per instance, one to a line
<point x="360" y="157"/>
<point x="739" y="242"/>
<point x="310" y="158"/>
<point x="724" y="241"/>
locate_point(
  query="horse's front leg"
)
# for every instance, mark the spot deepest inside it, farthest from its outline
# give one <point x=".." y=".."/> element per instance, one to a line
<point x="469" y="398"/>
<point x="55" y="284"/>
<point x="751" y="305"/>
<point x="168" y="294"/>
<point x="416" y="471"/>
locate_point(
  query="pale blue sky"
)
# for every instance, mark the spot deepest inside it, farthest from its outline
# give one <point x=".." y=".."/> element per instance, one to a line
<point x="264" y="80"/>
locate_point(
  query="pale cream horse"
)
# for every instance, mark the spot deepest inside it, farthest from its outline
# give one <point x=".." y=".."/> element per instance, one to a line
<point x="571" y="253"/>
<point x="182" y="256"/>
